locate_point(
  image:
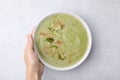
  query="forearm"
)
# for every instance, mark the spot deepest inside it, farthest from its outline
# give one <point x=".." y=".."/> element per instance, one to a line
<point x="32" y="75"/>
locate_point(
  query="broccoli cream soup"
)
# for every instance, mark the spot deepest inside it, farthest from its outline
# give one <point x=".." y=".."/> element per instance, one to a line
<point x="61" y="40"/>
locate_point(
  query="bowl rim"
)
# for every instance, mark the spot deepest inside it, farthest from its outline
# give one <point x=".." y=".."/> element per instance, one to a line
<point x="83" y="57"/>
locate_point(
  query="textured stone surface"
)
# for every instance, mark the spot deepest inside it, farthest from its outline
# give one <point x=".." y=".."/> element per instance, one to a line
<point x="17" y="18"/>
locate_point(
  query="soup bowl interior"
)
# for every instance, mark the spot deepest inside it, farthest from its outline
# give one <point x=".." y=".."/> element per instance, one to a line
<point x="78" y="62"/>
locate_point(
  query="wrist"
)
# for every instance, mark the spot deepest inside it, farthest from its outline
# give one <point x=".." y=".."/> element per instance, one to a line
<point x="33" y="68"/>
<point x="32" y="74"/>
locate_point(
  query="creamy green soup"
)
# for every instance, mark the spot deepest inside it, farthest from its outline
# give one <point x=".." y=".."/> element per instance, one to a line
<point x="61" y="40"/>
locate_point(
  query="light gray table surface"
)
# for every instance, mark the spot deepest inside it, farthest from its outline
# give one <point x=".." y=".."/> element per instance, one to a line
<point x="17" y="18"/>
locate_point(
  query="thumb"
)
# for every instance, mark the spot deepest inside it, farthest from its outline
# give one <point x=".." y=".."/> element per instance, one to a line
<point x="30" y="43"/>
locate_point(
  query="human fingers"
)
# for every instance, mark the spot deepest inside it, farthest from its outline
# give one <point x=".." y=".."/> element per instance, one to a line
<point x="30" y="43"/>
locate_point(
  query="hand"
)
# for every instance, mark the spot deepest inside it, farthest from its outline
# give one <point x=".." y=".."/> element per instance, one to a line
<point x="34" y="68"/>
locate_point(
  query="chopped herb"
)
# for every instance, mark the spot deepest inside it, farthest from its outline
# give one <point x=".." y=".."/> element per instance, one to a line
<point x="49" y="28"/>
<point x="61" y="56"/>
<point x="53" y="46"/>
<point x="52" y="30"/>
<point x="53" y="49"/>
<point x="58" y="28"/>
<point x="50" y="40"/>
